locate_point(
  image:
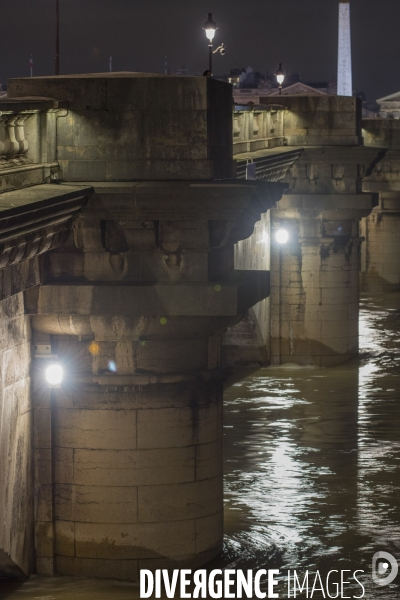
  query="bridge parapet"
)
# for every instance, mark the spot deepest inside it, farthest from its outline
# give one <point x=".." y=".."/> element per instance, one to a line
<point x="319" y="120"/>
<point x="381" y="253"/>
<point x="257" y="128"/>
<point x="27" y="141"/>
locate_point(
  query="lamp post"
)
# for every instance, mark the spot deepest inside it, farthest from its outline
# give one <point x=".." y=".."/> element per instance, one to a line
<point x="57" y="55"/>
<point x="210" y="28"/>
<point x="280" y="77"/>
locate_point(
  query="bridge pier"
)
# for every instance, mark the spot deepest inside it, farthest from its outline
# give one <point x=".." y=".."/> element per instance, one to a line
<point x="313" y="307"/>
<point x="381" y="229"/>
<point x="133" y="438"/>
<point x="315" y="280"/>
<point x="128" y="456"/>
<point x="137" y="453"/>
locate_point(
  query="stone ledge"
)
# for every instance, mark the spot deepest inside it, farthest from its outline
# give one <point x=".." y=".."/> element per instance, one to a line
<point x="229" y="199"/>
<point x="37" y="219"/>
<point x="319" y="201"/>
<point x="165" y="299"/>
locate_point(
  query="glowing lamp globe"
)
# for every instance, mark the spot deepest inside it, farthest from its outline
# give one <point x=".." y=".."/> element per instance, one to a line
<point x="280" y="75"/>
<point x="54" y="374"/>
<point x="282" y="236"/>
<point x="210" y="27"/>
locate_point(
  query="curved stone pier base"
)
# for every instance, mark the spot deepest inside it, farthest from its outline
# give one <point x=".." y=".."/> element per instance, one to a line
<point x="315" y="287"/>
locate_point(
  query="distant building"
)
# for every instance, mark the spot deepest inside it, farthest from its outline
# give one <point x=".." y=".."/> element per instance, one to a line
<point x="301" y="88"/>
<point x="389" y="106"/>
<point x="249" y="85"/>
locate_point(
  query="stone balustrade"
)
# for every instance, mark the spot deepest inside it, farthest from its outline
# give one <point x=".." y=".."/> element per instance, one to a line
<point x="13" y="142"/>
<point x="27" y="142"/>
<point x="257" y="128"/>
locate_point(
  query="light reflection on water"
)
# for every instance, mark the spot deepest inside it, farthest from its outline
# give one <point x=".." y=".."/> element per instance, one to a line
<point x="312" y="456"/>
<point x="311" y="467"/>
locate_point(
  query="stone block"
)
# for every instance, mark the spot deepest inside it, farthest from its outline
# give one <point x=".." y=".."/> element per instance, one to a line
<point x="209" y="460"/>
<point x="83" y="170"/>
<point x="172" y="356"/>
<point x="101" y="429"/>
<point x="96" y="504"/>
<point x="18" y="395"/>
<point x="209" y="532"/>
<point x="335" y="345"/>
<point x="189" y="561"/>
<point x="16" y="363"/>
<point x="44" y="566"/>
<point x="326" y="313"/>
<point x="44" y="539"/>
<point x="141" y="540"/>
<point x="170" y="503"/>
<point x="42" y="428"/>
<point x="131" y="468"/>
<point x="166" y="428"/>
<point x="64" y="465"/>
<point x="167" y="128"/>
<point x="333" y="329"/>
<point x="174" y="395"/>
<point x="43" y="468"/>
<point x="332" y="296"/>
<point x="12" y="307"/>
<point x="44" y="503"/>
<point x="352" y="344"/>
<point x="122" y="570"/>
<point x="65" y="538"/>
<point x="175" y="427"/>
<point x="14" y="331"/>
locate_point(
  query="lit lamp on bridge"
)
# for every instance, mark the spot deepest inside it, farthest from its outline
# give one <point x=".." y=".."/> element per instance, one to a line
<point x="280" y="77"/>
<point x="54" y="374"/>
<point x="52" y="371"/>
<point x="282" y="236"/>
<point x="210" y="27"/>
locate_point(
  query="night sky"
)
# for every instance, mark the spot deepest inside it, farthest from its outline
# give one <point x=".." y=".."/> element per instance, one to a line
<point x="302" y="34"/>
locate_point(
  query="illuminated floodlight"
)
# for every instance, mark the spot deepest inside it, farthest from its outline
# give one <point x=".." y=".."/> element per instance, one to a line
<point x="282" y="236"/>
<point x="54" y="374"/>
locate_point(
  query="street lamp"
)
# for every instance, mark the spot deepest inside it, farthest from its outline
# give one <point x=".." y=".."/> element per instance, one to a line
<point x="280" y="77"/>
<point x="210" y="27"/>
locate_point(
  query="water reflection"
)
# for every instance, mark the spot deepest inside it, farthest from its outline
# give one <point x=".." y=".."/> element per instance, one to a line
<point x="312" y="456"/>
<point x="311" y="467"/>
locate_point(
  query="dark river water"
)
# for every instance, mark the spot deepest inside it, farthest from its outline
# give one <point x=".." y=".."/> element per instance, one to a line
<point x="312" y="461"/>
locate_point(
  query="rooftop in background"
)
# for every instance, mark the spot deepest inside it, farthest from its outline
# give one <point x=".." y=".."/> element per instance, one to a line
<point x="389" y="106"/>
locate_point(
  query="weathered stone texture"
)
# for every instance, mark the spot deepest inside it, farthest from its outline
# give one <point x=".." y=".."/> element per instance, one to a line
<point x="381" y="253"/>
<point x="313" y="306"/>
<point x="320" y="120"/>
<point x="126" y="126"/>
<point x="128" y="452"/>
<point x="315" y="288"/>
<point x="16" y="477"/>
<point x="138" y="452"/>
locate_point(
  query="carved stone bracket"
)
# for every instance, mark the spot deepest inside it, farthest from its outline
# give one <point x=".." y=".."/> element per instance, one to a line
<point x="37" y="219"/>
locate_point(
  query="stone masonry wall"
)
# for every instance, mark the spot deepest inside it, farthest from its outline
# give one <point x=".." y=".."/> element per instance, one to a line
<point x="16" y="476"/>
<point x="381" y="252"/>
<point x="248" y="342"/>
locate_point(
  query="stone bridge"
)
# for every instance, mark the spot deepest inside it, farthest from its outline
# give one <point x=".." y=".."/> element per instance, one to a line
<point x="132" y="239"/>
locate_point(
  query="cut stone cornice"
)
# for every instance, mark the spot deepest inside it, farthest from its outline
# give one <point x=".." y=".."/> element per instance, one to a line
<point x="37" y="219"/>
